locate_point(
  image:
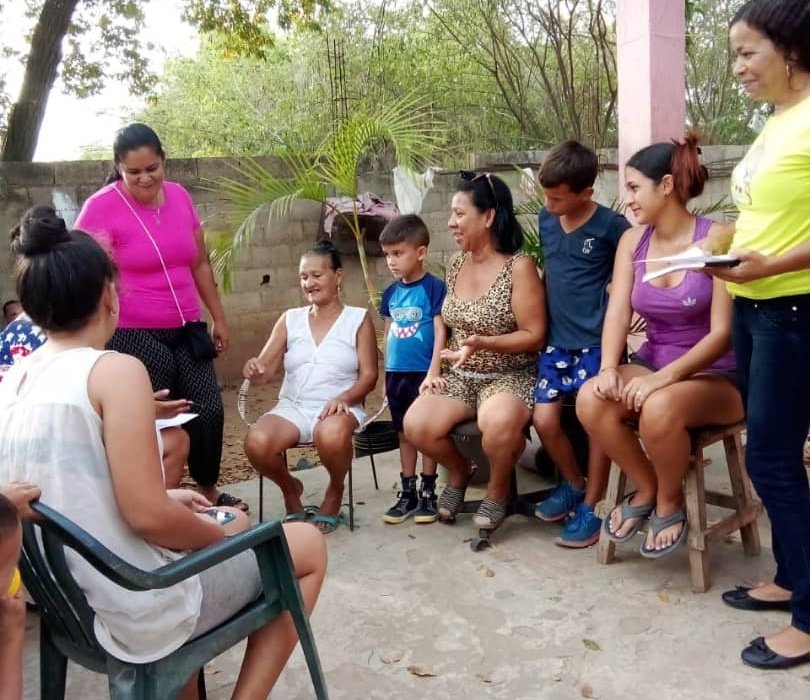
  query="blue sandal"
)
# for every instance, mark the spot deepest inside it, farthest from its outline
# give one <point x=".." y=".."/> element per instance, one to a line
<point x="296" y="517"/>
<point x="326" y="523"/>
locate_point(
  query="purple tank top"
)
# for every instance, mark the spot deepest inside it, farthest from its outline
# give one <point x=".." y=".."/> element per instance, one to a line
<point x="677" y="317"/>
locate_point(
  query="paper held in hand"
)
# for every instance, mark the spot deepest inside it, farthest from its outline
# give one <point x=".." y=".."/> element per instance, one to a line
<point x="692" y="259"/>
<point x="177" y="420"/>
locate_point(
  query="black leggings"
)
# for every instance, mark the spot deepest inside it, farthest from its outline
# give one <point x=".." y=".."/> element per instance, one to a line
<point x="171" y="367"/>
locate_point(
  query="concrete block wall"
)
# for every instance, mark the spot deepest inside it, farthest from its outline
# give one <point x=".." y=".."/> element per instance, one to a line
<point x="253" y="307"/>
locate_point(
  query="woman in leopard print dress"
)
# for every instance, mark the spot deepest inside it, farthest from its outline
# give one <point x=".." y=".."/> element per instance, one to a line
<point x="495" y="311"/>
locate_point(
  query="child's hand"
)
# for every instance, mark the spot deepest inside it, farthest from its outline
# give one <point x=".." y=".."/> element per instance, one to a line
<point x="12" y="619"/>
<point x="253" y="369"/>
<point x="433" y="384"/>
<point x="21" y="494"/>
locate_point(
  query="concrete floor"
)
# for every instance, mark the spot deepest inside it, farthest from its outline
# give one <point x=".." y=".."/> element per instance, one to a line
<point x="523" y="620"/>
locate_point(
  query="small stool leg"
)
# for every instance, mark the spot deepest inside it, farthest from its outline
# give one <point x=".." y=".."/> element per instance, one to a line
<point x="695" y="496"/>
<point x="261" y="498"/>
<point x="617" y="482"/>
<point x="741" y="488"/>
<point x="351" y="501"/>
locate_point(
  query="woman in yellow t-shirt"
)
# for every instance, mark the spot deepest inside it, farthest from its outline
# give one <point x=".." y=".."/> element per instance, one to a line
<point x="771" y="325"/>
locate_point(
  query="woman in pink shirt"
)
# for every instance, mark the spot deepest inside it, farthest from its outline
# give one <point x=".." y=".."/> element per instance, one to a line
<point x="151" y="229"/>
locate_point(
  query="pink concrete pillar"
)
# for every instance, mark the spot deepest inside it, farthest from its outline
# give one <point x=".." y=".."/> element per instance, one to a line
<point x="650" y="52"/>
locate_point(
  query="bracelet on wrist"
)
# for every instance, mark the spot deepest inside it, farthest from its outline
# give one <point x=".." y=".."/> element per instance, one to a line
<point x="605" y="369"/>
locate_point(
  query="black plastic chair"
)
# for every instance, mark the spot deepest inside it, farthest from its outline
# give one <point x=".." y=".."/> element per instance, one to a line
<point x="66" y="619"/>
<point x="372" y="437"/>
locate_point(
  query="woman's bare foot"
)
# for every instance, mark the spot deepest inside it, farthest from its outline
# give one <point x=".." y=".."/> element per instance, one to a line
<point x="292" y="497"/>
<point x="330" y="506"/>
<point x="667" y="536"/>
<point x="621" y="528"/>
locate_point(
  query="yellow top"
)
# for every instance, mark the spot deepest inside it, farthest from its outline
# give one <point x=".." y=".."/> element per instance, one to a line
<point x="771" y="188"/>
<point x="16" y="582"/>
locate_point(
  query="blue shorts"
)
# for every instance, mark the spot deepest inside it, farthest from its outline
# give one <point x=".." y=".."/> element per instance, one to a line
<point x="401" y="390"/>
<point x="561" y="372"/>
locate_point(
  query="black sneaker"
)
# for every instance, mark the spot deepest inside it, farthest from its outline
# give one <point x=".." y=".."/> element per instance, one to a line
<point x="405" y="507"/>
<point x="426" y="512"/>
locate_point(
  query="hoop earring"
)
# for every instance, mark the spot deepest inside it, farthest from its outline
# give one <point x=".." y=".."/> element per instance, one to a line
<point x="788" y="72"/>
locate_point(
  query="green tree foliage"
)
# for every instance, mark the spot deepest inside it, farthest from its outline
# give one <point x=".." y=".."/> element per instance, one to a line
<point x="502" y="74"/>
<point x="553" y="62"/>
<point x="90" y="42"/>
<point x="715" y="101"/>
<point x="219" y="104"/>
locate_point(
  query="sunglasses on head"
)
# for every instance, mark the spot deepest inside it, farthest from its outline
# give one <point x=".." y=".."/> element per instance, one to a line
<point x="471" y="176"/>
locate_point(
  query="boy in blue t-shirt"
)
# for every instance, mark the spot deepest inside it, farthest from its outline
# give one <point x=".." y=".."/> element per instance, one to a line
<point x="414" y="337"/>
<point x="579" y="239"/>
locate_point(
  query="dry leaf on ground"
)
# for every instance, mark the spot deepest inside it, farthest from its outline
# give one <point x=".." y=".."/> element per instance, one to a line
<point x="421" y="671"/>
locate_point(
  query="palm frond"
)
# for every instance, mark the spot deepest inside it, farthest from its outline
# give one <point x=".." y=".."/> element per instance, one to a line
<point x="723" y="206"/>
<point x="406" y="125"/>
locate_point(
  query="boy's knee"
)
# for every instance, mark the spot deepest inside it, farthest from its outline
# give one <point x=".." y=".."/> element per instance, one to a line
<point x="588" y="405"/>
<point x="546" y="422"/>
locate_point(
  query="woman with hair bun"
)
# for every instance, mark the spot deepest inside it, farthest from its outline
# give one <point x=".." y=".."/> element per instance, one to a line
<point x="22" y="337"/>
<point x="682" y="377"/>
<point x="151" y="229"/>
<point x="329" y="354"/>
<point x="70" y="415"/>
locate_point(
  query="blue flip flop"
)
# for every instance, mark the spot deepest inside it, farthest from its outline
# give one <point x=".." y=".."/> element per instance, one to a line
<point x="657" y="524"/>
<point x="297" y="517"/>
<point x="326" y="523"/>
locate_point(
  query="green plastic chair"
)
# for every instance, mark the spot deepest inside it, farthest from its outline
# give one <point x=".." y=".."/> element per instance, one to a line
<point x="66" y="620"/>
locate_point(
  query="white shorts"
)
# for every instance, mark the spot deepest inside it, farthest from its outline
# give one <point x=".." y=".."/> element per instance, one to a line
<point x="305" y="417"/>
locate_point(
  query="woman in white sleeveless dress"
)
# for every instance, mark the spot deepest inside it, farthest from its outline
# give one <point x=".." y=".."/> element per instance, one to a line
<point x="329" y="354"/>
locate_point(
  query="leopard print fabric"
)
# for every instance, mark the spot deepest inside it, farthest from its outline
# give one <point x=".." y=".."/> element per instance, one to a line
<point x="486" y="373"/>
<point x="490" y="314"/>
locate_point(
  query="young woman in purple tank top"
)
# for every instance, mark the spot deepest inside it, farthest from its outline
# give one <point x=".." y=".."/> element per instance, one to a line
<point x="682" y="377"/>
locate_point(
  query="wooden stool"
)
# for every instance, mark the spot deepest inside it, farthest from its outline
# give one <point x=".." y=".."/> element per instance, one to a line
<point x="746" y="508"/>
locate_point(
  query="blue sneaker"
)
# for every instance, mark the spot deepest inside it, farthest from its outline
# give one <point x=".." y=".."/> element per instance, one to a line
<point x="563" y="499"/>
<point x="581" y="529"/>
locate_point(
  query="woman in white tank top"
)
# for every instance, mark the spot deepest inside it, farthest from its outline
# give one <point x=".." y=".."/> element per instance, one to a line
<point x="329" y="355"/>
<point x="69" y="417"/>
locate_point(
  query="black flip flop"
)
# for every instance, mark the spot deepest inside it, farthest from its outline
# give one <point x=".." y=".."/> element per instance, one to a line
<point x="226" y="499"/>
